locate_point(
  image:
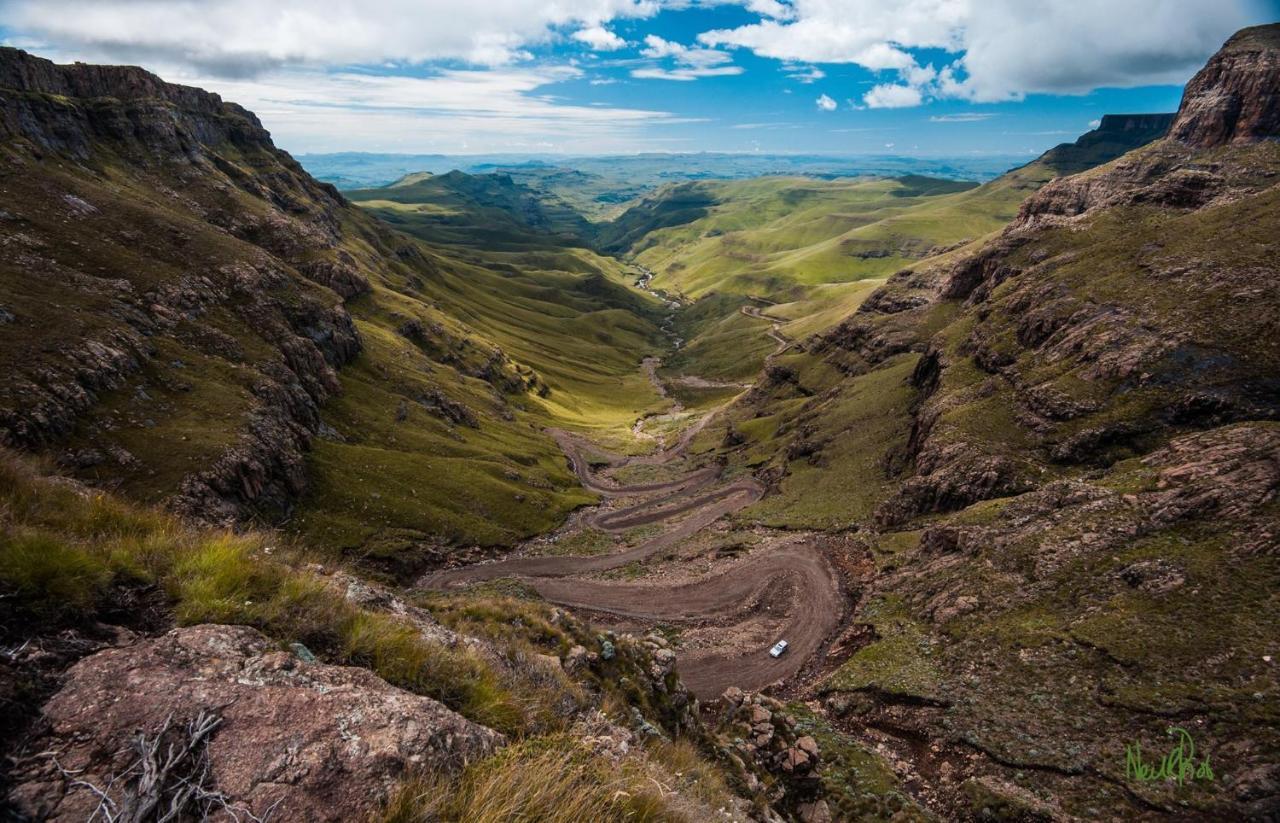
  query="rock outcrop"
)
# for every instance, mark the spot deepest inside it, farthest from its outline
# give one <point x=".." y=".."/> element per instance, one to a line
<point x="763" y="736"/>
<point x="1115" y="135"/>
<point x="263" y="731"/>
<point x="1235" y="98"/>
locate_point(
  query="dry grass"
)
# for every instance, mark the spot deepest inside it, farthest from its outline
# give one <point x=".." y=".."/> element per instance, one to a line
<point x="67" y="555"/>
<point x="548" y="780"/>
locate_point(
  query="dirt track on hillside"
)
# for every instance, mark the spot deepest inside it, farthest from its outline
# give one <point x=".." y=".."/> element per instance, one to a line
<point x="813" y="610"/>
<point x="737" y="610"/>
<point x="775" y="330"/>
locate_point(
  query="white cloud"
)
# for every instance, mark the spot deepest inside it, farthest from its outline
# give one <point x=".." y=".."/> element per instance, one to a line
<point x="826" y="103"/>
<point x="1093" y="124"/>
<point x="244" y="37"/>
<point x="656" y="47"/>
<point x="1012" y="48"/>
<point x="654" y="73"/>
<point x="1004" y="49"/>
<point x="892" y="96"/>
<point x="865" y="32"/>
<point x="963" y="117"/>
<point x="453" y="111"/>
<point x="599" y="38"/>
<point x="770" y="8"/>
<point x="807" y="74"/>
<point x="691" y="62"/>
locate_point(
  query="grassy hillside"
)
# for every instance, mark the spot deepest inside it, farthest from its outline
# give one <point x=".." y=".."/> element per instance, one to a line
<point x="813" y="250"/>
<point x="197" y="322"/>
<point x="571" y="314"/>
<point x="773" y="237"/>
<point x="489" y="211"/>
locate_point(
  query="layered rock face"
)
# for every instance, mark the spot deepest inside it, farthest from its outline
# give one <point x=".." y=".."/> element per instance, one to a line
<point x="1235" y="99"/>
<point x="247" y="728"/>
<point x="173" y="288"/>
<point x="1115" y="135"/>
<point x="129" y="104"/>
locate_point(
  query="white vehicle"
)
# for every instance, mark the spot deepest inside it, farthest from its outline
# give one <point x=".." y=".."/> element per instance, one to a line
<point x="778" y="648"/>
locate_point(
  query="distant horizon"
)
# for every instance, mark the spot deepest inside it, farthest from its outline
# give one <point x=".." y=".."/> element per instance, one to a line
<point x="744" y="153"/>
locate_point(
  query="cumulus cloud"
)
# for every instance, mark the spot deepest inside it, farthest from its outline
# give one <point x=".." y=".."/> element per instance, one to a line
<point x="246" y="37"/>
<point x="892" y="96"/>
<point x="866" y="32"/>
<point x="770" y="8"/>
<point x="599" y="38"/>
<point x="826" y="103"/>
<point x="1003" y="49"/>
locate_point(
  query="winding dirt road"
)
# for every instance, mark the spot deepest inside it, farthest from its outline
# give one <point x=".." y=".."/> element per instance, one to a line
<point x="781" y="591"/>
<point x="813" y="609"/>
<point x="775" y="329"/>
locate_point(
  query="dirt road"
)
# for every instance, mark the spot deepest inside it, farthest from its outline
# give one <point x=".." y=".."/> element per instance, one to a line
<point x="792" y="588"/>
<point x="775" y="330"/>
<point x="811" y="603"/>
<point x="781" y="591"/>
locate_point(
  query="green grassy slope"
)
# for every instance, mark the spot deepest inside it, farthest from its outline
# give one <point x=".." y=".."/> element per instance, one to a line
<point x="816" y="249"/>
<point x="489" y="211"/>
<point x="777" y="237"/>
<point x="773" y="237"/>
<point x="203" y="324"/>
<point x="571" y="314"/>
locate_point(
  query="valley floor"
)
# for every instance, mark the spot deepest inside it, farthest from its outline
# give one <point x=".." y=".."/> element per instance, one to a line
<point x="665" y="559"/>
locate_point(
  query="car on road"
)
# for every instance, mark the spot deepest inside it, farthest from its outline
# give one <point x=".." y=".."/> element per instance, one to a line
<point x="778" y="648"/>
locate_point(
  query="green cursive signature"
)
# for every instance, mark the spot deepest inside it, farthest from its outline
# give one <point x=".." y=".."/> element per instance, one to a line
<point x="1179" y="765"/>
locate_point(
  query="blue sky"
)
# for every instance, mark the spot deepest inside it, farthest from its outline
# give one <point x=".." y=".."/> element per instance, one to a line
<point x="911" y="77"/>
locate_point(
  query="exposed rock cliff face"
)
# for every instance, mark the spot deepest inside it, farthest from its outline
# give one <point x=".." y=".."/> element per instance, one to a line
<point x="1115" y="135"/>
<point x="1235" y="99"/>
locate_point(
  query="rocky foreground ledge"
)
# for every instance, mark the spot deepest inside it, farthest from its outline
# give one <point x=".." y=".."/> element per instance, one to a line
<point x="220" y="716"/>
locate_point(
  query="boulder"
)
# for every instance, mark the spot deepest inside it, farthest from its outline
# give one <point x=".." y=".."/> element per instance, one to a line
<point x="265" y="730"/>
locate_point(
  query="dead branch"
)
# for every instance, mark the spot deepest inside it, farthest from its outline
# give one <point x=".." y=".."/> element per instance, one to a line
<point x="168" y="781"/>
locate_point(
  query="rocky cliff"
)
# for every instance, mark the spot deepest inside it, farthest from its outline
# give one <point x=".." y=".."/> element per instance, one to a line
<point x="1115" y="135"/>
<point x="1235" y="98"/>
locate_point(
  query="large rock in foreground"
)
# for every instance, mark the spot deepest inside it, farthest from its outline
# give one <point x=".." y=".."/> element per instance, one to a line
<point x="313" y="741"/>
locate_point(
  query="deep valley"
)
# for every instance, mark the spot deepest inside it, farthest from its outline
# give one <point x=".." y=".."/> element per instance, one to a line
<point x="483" y="495"/>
